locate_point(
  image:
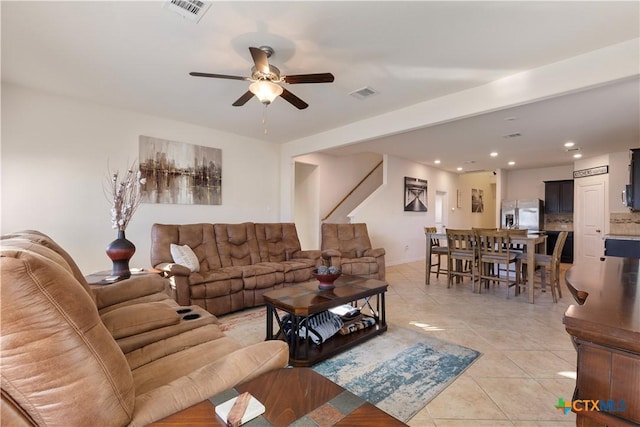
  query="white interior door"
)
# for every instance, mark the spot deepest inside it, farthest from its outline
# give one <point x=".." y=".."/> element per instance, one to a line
<point x="441" y="210"/>
<point x="590" y="220"/>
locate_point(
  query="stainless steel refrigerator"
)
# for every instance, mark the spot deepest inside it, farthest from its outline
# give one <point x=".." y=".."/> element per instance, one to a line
<point x="522" y="214"/>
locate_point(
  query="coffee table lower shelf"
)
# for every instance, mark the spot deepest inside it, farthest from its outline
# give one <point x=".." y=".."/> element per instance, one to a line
<point x="302" y="301"/>
<point x="334" y="345"/>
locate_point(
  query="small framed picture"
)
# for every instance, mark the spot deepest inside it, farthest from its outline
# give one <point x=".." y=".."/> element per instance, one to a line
<point x="415" y="194"/>
<point x="477" y="200"/>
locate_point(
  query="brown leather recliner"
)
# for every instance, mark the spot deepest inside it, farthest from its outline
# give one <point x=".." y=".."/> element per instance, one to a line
<point x="61" y="365"/>
<point x="347" y="247"/>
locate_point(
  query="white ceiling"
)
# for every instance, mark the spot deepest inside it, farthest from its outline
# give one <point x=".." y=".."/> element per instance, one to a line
<point x="137" y="56"/>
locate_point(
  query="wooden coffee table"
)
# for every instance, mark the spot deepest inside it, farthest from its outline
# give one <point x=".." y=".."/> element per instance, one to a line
<point x="298" y="396"/>
<point x="306" y="299"/>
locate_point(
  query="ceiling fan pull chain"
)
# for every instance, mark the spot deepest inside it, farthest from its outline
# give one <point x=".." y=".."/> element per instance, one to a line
<point x="264" y="118"/>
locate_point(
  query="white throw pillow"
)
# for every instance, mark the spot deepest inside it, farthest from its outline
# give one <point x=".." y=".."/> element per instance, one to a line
<point x="184" y="255"/>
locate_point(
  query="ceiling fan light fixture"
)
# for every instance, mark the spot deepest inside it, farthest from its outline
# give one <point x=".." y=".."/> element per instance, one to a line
<point x="265" y="91"/>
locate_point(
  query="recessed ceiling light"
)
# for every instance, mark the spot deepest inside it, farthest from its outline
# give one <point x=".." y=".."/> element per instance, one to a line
<point x="577" y="156"/>
<point x="494" y="154"/>
<point x="569" y="144"/>
<point x="511" y="163"/>
<point x="437" y="162"/>
<point x="458" y="168"/>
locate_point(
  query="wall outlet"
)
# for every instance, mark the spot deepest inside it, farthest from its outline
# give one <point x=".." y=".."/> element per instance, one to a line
<point x="406" y="247"/>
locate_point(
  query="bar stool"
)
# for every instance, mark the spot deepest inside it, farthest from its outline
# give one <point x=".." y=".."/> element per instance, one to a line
<point x="494" y="248"/>
<point x="461" y="246"/>
<point x="544" y="261"/>
<point x="438" y="251"/>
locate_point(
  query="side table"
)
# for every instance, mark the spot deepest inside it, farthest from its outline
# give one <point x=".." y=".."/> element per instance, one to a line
<point x="101" y="278"/>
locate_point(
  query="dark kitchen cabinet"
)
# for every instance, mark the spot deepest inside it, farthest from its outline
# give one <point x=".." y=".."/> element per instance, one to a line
<point x="558" y="197"/>
<point x="620" y="247"/>
<point x="634" y="181"/>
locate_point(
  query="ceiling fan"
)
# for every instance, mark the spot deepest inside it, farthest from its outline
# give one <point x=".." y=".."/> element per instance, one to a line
<point x="266" y="79"/>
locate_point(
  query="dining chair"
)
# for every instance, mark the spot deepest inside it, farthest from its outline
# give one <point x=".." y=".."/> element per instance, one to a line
<point x="461" y="255"/>
<point x="438" y="252"/>
<point x="516" y="247"/>
<point x="546" y="261"/>
<point x="494" y="249"/>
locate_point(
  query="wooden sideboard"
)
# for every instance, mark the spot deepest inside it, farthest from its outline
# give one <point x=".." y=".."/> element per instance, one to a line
<point x="605" y="328"/>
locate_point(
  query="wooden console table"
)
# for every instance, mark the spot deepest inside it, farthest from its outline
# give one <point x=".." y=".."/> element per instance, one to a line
<point x="605" y="328"/>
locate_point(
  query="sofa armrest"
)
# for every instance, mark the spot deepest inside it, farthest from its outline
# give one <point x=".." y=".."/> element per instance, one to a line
<point x="128" y="289"/>
<point x="329" y="253"/>
<point x="374" y="252"/>
<point x="179" y="288"/>
<point x="139" y="318"/>
<point x="173" y="269"/>
<point x="332" y="257"/>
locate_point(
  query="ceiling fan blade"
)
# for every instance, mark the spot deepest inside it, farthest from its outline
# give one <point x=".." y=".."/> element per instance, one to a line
<point x="261" y="59"/>
<point x="309" y="78"/>
<point x="293" y="100"/>
<point x="243" y="99"/>
<point x="218" y="76"/>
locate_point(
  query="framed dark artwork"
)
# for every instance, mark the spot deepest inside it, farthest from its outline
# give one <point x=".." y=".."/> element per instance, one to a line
<point x="180" y="173"/>
<point x="477" y="200"/>
<point x="415" y="194"/>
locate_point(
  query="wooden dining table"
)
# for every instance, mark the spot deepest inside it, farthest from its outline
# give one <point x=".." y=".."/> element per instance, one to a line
<point x="531" y="243"/>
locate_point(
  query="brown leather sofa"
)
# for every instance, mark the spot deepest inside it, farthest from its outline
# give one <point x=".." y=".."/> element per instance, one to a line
<point x="347" y="247"/>
<point x="238" y="263"/>
<point x="117" y="355"/>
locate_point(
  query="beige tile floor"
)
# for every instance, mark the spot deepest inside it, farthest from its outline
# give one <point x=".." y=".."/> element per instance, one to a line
<point x="528" y="360"/>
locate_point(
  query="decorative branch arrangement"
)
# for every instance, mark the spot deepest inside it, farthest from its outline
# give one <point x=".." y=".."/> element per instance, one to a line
<point x="124" y="195"/>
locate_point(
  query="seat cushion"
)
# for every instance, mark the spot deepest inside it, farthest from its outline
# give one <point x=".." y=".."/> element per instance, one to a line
<point x="359" y="266"/>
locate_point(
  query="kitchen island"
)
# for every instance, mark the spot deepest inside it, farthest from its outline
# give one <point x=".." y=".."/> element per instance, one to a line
<point x="605" y="328"/>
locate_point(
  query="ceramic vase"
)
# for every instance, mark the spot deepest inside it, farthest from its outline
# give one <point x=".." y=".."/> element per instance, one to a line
<point x="120" y="251"/>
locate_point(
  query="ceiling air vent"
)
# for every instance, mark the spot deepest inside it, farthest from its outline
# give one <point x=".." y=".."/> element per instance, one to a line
<point x="512" y="135"/>
<point x="363" y="93"/>
<point x="193" y="10"/>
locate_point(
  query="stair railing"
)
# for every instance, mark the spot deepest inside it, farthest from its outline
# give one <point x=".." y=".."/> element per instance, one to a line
<point x="352" y="191"/>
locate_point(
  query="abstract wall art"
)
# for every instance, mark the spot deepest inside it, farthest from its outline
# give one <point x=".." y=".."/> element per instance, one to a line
<point x="180" y="173"/>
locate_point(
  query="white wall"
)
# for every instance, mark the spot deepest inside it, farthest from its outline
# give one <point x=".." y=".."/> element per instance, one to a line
<point x="529" y="183"/>
<point x="393" y="229"/>
<point x="55" y="153"/>
<point x="484" y="181"/>
<point x="337" y="175"/>
<point x="306" y="212"/>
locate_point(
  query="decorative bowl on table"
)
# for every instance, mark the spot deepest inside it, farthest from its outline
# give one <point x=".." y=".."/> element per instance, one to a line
<point x="326" y="276"/>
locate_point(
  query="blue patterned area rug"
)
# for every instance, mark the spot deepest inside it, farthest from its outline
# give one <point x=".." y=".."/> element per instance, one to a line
<point x="399" y="371"/>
